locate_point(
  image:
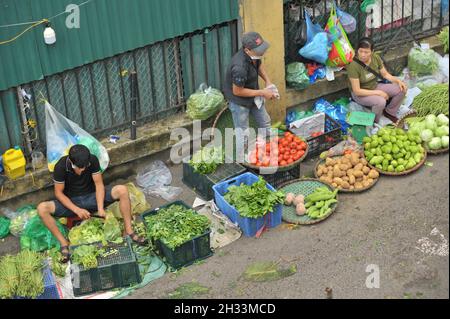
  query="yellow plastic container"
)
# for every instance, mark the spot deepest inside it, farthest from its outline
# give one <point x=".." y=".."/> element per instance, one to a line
<point x="14" y="163"/>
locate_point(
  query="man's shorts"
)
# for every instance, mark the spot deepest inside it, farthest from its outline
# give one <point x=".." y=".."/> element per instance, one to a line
<point x="88" y="202"/>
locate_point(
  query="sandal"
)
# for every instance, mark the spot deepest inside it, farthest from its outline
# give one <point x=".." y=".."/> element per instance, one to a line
<point x="141" y="241"/>
<point x="65" y="252"/>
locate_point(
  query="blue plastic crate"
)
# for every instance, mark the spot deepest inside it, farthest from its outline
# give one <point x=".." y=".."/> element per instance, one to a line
<point x="50" y="289"/>
<point x="249" y="226"/>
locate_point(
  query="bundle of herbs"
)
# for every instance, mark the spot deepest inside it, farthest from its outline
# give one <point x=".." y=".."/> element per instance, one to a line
<point x="255" y="200"/>
<point x="175" y="225"/>
<point x="207" y="160"/>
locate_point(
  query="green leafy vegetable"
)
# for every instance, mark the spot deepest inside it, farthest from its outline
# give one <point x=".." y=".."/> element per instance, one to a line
<point x="207" y="160"/>
<point x="176" y="225"/>
<point x="204" y="103"/>
<point x="422" y="62"/>
<point x="112" y="230"/>
<point x="58" y="268"/>
<point x="443" y="37"/>
<point x="89" y="231"/>
<point x="9" y="277"/>
<point x="86" y="256"/>
<point x="255" y="200"/>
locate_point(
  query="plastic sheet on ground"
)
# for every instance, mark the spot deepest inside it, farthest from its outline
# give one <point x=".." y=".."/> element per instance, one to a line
<point x="223" y="231"/>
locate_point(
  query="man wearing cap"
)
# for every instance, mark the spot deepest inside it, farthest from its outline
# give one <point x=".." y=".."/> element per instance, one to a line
<point x="242" y="90"/>
<point x="79" y="191"/>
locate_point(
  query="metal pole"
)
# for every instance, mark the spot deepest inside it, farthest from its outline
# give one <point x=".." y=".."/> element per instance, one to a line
<point x="134" y="97"/>
<point x="26" y="131"/>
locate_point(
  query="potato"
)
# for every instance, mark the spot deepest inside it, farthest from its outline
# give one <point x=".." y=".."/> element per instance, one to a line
<point x="289" y="199"/>
<point x="345" y="178"/>
<point x="366" y="183"/>
<point x="319" y="172"/>
<point x="344" y="167"/>
<point x="363" y="161"/>
<point x="337" y="180"/>
<point x="325" y="170"/>
<point x="323" y="178"/>
<point x="371" y="181"/>
<point x="358" y="167"/>
<point x="366" y="170"/>
<point x="350" y="172"/>
<point x="373" y="174"/>
<point x="352" y="187"/>
<point x="359" y="180"/>
<point x="358" y="173"/>
<point x="352" y="180"/>
<point x="346" y="161"/>
<point x="345" y="185"/>
<point x="329" y="161"/>
<point x="358" y="185"/>
<point x="348" y="156"/>
<point x="329" y="181"/>
<point x="355" y="158"/>
<point x="330" y="174"/>
<point x="334" y="185"/>
<point x="337" y="172"/>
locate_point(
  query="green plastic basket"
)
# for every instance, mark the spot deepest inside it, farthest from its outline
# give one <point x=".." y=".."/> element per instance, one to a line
<point x="305" y="187"/>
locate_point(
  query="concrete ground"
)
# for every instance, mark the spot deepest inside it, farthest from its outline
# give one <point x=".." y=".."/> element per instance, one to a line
<point x="384" y="226"/>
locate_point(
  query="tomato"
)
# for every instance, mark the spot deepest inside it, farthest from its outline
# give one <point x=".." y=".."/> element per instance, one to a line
<point x="297" y="140"/>
<point x="283" y="163"/>
<point x="293" y="145"/>
<point x="301" y="153"/>
<point x="290" y="139"/>
<point x="281" y="150"/>
<point x="285" y="143"/>
<point x="286" y="156"/>
<point x="296" y="157"/>
<point x="293" y="151"/>
<point x="290" y="161"/>
<point x="286" y="134"/>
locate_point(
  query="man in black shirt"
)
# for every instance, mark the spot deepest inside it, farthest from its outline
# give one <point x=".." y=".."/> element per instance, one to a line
<point x="79" y="191"/>
<point x="241" y="88"/>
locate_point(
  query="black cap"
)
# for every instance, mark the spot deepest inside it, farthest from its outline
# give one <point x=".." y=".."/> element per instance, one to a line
<point x="255" y="42"/>
<point x="79" y="155"/>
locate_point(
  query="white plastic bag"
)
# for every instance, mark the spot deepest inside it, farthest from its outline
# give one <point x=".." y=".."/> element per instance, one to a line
<point x="169" y="193"/>
<point x="155" y="174"/>
<point x="305" y="127"/>
<point x="62" y="134"/>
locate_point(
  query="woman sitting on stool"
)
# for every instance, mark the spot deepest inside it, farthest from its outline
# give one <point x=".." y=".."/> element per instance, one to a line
<point x="364" y="73"/>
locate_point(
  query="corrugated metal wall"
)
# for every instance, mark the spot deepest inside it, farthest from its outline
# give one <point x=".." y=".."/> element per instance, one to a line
<point x="10" y="129"/>
<point x="107" y="28"/>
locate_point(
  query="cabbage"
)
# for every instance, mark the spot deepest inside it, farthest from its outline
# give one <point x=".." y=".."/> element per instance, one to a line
<point x="441" y="131"/>
<point x="442" y="120"/>
<point x="444" y="141"/>
<point x="417" y="128"/>
<point x="435" y="143"/>
<point x="430" y="124"/>
<point x="430" y="117"/>
<point x="426" y="135"/>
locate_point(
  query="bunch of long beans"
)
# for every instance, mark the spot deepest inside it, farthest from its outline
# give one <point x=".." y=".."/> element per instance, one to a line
<point x="432" y="100"/>
<point x="9" y="277"/>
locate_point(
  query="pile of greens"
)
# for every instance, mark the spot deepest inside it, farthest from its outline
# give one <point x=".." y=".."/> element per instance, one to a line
<point x="422" y="62"/>
<point x="21" y="275"/>
<point x="204" y="103"/>
<point x="96" y="230"/>
<point x="87" y="255"/>
<point x="175" y="225"/>
<point x="432" y="100"/>
<point x="58" y="268"/>
<point x="443" y="37"/>
<point x="207" y="160"/>
<point x="255" y="200"/>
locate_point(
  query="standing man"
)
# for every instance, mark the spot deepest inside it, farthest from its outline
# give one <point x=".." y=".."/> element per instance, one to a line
<point x="79" y="191"/>
<point x="242" y="89"/>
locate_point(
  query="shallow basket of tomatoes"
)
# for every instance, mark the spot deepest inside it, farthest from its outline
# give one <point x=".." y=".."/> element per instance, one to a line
<point x="282" y="153"/>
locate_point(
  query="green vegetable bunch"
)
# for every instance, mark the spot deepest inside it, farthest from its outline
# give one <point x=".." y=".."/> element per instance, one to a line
<point x="204" y="103"/>
<point x="319" y="203"/>
<point x="58" y="268"/>
<point x="176" y="225"/>
<point x="255" y="200"/>
<point x="432" y="100"/>
<point x="207" y="160"/>
<point x="393" y="150"/>
<point x="443" y="37"/>
<point x="89" y="231"/>
<point x="86" y="256"/>
<point x="21" y="275"/>
<point x="9" y="277"/>
<point x="422" y="62"/>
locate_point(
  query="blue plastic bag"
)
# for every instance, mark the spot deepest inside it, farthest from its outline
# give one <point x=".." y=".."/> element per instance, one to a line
<point x="311" y="28"/>
<point x="348" y="21"/>
<point x="318" y="74"/>
<point x="336" y="112"/>
<point x="317" y="50"/>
